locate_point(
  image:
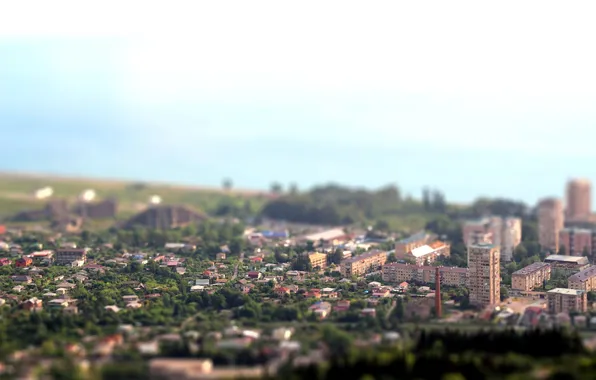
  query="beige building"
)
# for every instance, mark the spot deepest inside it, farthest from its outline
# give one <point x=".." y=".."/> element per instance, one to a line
<point x="66" y="256"/>
<point x="584" y="280"/>
<point x="551" y="221"/>
<point x="579" y="199"/>
<point x="398" y="272"/>
<point x="567" y="264"/>
<point x="361" y="264"/>
<point x="510" y="238"/>
<point x="485" y="274"/>
<point x="530" y="277"/>
<point x="318" y="260"/>
<point x="406" y="245"/>
<point x="426" y="254"/>
<point x="561" y="300"/>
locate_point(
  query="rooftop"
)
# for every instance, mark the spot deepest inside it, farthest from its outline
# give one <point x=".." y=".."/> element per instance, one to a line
<point x="326" y="235"/>
<point x="416" y="237"/>
<point x="567" y="259"/>
<point x="532" y="268"/>
<point x="422" y="251"/>
<point x="584" y="275"/>
<point x="365" y="255"/>
<point x="565" y="291"/>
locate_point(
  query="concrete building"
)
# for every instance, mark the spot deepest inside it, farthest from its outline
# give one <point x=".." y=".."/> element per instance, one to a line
<point x="485" y="274"/>
<point x="561" y="300"/>
<point x="567" y="264"/>
<point x="398" y="272"/>
<point x="361" y="264"/>
<point x="487" y="227"/>
<point x="419" y="239"/>
<point x="584" y="280"/>
<point x="579" y="199"/>
<point x="426" y="254"/>
<point x="530" y="277"/>
<point x="510" y="238"/>
<point x="65" y="256"/>
<point x="578" y="241"/>
<point x="318" y="260"/>
<point x="551" y="221"/>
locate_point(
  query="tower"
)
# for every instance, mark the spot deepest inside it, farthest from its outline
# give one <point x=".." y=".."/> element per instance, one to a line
<point x="579" y="199"/>
<point x="438" y="303"/>
<point x="551" y="221"/>
<point x="485" y="274"/>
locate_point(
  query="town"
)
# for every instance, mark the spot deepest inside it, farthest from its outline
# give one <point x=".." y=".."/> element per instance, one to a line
<point x="176" y="293"/>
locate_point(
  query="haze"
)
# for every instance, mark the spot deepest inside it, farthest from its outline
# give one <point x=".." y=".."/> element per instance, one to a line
<point x="471" y="98"/>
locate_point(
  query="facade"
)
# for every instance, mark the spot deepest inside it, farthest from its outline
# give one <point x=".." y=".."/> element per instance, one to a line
<point x="511" y="237"/>
<point x="318" y="260"/>
<point x="551" y="221"/>
<point x="578" y="241"/>
<point x="488" y="227"/>
<point x="426" y="254"/>
<point x="404" y="246"/>
<point x="567" y="264"/>
<point x="65" y="256"/>
<point x="579" y="199"/>
<point x="561" y="300"/>
<point x="398" y="273"/>
<point x="584" y="280"/>
<point x="485" y="274"/>
<point x="361" y="264"/>
<point x="530" y="277"/>
<point x="23" y="262"/>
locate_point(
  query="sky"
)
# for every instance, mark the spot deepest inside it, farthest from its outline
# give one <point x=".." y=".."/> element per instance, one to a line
<point x="473" y="98"/>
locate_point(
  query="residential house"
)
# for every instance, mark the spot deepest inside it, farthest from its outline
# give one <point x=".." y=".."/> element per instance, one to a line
<point x="20" y="279"/>
<point x="23" y="262"/>
<point x="254" y="275"/>
<point x="330" y="293"/>
<point x="369" y="312"/>
<point x="130" y="299"/>
<point x="282" y="291"/>
<point x="4" y="261"/>
<point x="32" y="304"/>
<point x="321" y="309"/>
<point x="220" y="256"/>
<point x="342" y="305"/>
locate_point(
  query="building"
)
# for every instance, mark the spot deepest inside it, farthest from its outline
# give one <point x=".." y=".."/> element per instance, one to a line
<point x="510" y="238"/>
<point x="577" y="241"/>
<point x="485" y="274"/>
<point x="329" y="238"/>
<point x="485" y="228"/>
<point x="67" y="256"/>
<point x="318" y="260"/>
<point x="530" y="277"/>
<point x="567" y="264"/>
<point x="165" y="217"/>
<point x="584" y="280"/>
<point x="406" y="245"/>
<point x="399" y="273"/>
<point x="426" y="254"/>
<point x="23" y="262"/>
<point x="361" y="264"/>
<point x="551" y="221"/>
<point x="579" y="199"/>
<point x="561" y="300"/>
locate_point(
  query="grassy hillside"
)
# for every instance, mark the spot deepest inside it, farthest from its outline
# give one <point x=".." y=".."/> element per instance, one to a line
<point x="16" y="193"/>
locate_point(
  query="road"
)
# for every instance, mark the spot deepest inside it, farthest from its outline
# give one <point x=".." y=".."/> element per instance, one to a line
<point x="236" y="266"/>
<point x="393" y="305"/>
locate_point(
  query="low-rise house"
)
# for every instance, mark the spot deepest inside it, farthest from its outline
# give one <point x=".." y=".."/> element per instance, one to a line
<point x="130" y="299"/>
<point x="32" y="304"/>
<point x="282" y="333"/>
<point x="20" y="279"/>
<point x="4" y="261"/>
<point x="23" y="262"/>
<point x="112" y="308"/>
<point x="255" y="259"/>
<point x="313" y="293"/>
<point x="197" y="288"/>
<point x="381" y="292"/>
<point x="134" y="305"/>
<point x="329" y="293"/>
<point x="281" y="291"/>
<point x="321" y="309"/>
<point x="342" y="305"/>
<point x="220" y="256"/>
<point x="254" y="275"/>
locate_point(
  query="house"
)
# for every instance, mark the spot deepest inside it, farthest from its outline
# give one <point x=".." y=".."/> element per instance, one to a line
<point x="256" y="259"/>
<point x="197" y="288"/>
<point x="59" y="303"/>
<point x="32" y="304"/>
<point x="202" y="281"/>
<point x="381" y="292"/>
<point x="254" y="275"/>
<point x="23" y="262"/>
<point x="403" y="286"/>
<point x="329" y="293"/>
<point x="20" y="279"/>
<point x="369" y="312"/>
<point x="112" y="308"/>
<point x="321" y="309"/>
<point x="220" y="256"/>
<point x="130" y="299"/>
<point x="134" y="305"/>
<point x="342" y="305"/>
<point x="281" y="291"/>
<point x="4" y="261"/>
<point x="313" y="293"/>
<point x="18" y="288"/>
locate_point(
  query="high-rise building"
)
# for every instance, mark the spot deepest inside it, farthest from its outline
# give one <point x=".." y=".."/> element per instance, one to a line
<point x="579" y="199"/>
<point x="484" y="261"/>
<point x="578" y="241"/>
<point x="550" y="223"/>
<point x="531" y="276"/>
<point x="510" y="238"/>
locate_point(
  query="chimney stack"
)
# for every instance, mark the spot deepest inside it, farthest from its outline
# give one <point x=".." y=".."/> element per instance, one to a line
<point x="438" y="304"/>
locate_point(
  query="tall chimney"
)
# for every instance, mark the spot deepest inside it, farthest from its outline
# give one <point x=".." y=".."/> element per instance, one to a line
<point x="438" y="309"/>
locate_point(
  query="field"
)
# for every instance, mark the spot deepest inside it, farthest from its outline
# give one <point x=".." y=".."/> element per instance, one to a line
<point x="16" y="193"/>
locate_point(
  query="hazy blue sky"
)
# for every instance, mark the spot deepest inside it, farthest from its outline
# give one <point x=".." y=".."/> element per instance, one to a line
<point x="473" y="98"/>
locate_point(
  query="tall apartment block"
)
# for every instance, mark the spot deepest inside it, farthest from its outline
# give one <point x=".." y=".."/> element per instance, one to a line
<point x="450" y="276"/>
<point x="562" y="300"/>
<point x="419" y="239"/>
<point x="484" y="264"/>
<point x="318" y="260"/>
<point x="579" y="199"/>
<point x="578" y="241"/>
<point x="583" y="280"/>
<point x="551" y="221"/>
<point x="530" y="277"/>
<point x="502" y="232"/>
<point x="361" y="264"/>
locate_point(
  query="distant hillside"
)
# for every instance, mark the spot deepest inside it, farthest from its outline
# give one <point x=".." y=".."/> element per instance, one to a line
<point x="16" y="194"/>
